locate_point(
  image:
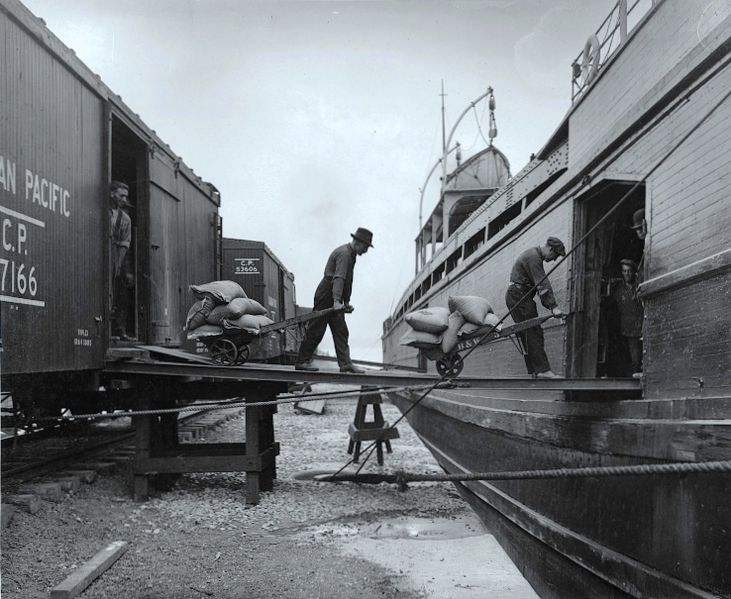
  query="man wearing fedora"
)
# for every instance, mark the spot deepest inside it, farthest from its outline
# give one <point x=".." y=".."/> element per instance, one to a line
<point x="527" y="278"/>
<point x="334" y="292"/>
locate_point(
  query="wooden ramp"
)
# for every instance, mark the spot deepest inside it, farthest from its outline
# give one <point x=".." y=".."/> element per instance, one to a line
<point x="202" y="368"/>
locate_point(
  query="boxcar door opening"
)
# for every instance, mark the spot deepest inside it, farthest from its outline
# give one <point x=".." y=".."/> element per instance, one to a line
<point x="597" y="339"/>
<point x="129" y="166"/>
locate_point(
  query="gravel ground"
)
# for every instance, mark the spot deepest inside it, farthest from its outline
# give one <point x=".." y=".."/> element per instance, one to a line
<point x="201" y="540"/>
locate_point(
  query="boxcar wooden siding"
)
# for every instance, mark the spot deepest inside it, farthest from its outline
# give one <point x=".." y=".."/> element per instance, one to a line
<point x="182" y="238"/>
<point x="645" y="61"/>
<point x="52" y="126"/>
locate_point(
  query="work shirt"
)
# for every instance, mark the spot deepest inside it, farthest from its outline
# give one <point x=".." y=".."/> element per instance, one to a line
<point x="527" y="271"/>
<point x="630" y="309"/>
<point x="120" y="227"/>
<point x="121" y="236"/>
<point x="339" y="269"/>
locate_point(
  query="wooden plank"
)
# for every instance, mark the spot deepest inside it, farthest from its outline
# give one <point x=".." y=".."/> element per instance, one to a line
<point x="176" y="353"/>
<point x="6" y="513"/>
<point x="89" y="571"/>
<point x="30" y="503"/>
<point x="311" y="406"/>
<point x="683" y="275"/>
<point x="254" y="374"/>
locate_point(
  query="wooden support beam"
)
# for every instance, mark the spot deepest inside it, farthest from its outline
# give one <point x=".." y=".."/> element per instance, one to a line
<point x="143" y="431"/>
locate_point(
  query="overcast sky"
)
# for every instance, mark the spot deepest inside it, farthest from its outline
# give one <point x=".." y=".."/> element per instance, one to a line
<point x="315" y="118"/>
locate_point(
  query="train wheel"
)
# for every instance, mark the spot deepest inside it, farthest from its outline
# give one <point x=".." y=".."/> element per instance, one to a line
<point x="450" y="366"/>
<point x="223" y="351"/>
<point x="243" y="354"/>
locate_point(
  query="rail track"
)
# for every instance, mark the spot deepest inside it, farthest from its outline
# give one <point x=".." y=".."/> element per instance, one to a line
<point x="45" y="466"/>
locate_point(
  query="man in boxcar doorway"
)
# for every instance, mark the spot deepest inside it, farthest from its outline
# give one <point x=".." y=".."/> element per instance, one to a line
<point x="527" y="278"/>
<point x="334" y="292"/>
<point x="630" y="312"/>
<point x="121" y="238"/>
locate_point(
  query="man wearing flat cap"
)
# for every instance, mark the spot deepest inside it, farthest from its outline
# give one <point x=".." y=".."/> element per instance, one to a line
<point x="527" y="278"/>
<point x="631" y="313"/>
<point x="334" y="292"/>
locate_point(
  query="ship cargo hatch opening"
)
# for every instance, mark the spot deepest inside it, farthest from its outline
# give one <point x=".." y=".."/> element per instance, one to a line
<point x="129" y="166"/>
<point x="604" y="335"/>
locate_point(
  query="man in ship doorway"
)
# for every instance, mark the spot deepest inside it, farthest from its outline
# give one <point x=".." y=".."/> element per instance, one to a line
<point x="121" y="237"/>
<point x="526" y="278"/>
<point x="334" y="292"/>
<point x="630" y="312"/>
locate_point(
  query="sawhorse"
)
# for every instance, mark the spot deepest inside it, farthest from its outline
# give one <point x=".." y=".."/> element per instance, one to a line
<point x="377" y="430"/>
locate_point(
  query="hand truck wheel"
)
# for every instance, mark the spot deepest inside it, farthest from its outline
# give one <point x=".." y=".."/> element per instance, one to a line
<point x="243" y="354"/>
<point x="450" y="366"/>
<point x="224" y="352"/>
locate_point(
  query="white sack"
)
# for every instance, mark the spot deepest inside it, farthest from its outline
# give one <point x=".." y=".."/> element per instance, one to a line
<point x="472" y="307"/>
<point x="450" y="336"/>
<point x="428" y="320"/>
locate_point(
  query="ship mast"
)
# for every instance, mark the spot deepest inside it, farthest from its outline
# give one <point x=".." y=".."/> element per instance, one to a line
<point x="444" y="141"/>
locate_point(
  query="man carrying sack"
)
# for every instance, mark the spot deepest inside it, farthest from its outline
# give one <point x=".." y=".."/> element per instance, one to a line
<point x="334" y="292"/>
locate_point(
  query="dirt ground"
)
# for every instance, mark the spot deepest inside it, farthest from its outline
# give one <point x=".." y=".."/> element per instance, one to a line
<point x="305" y="539"/>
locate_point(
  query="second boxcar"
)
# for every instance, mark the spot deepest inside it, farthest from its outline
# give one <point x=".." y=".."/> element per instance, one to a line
<point x="264" y="278"/>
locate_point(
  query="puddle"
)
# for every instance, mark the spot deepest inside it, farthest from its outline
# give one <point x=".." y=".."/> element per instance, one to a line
<point x="423" y="528"/>
<point x="451" y="557"/>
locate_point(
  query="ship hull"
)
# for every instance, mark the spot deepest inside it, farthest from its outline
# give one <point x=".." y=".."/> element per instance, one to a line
<point x="639" y="536"/>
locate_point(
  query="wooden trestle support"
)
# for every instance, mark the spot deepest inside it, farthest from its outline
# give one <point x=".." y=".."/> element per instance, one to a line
<point x="159" y="452"/>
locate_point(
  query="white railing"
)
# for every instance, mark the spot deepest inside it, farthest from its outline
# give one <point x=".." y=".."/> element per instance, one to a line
<point x="600" y="46"/>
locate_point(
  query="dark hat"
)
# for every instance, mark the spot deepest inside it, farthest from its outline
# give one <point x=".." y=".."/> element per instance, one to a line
<point x="628" y="262"/>
<point x="363" y="235"/>
<point x="637" y="218"/>
<point x="556" y="244"/>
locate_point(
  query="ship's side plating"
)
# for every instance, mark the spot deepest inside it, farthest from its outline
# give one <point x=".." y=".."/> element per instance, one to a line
<point x="620" y="131"/>
<point x="652" y="131"/>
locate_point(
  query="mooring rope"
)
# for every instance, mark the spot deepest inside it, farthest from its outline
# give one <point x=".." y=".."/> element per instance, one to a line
<point x="402" y="478"/>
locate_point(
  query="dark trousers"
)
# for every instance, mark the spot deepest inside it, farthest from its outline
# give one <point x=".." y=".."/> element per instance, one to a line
<point x="316" y="328"/>
<point x="634" y="345"/>
<point x="120" y="297"/>
<point x="532" y="339"/>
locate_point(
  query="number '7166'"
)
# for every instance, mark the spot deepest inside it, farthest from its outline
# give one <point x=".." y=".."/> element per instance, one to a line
<point x="16" y="279"/>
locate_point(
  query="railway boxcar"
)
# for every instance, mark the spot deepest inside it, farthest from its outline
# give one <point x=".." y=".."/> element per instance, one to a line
<point x="64" y="135"/>
<point x="264" y="278"/>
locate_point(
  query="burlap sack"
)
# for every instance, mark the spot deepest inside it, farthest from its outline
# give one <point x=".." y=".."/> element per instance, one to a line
<point x="198" y="313"/>
<point x="450" y="337"/>
<point x="467" y="329"/>
<point x="472" y="307"/>
<point x="234" y="309"/>
<point x="493" y="320"/>
<point x="222" y="292"/>
<point x="428" y="320"/>
<point x="420" y="339"/>
<point x="251" y="306"/>
<point x="248" y="322"/>
<point x="205" y="330"/>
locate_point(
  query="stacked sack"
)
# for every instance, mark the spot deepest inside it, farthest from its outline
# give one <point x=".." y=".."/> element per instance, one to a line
<point x="438" y="330"/>
<point x="223" y="305"/>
